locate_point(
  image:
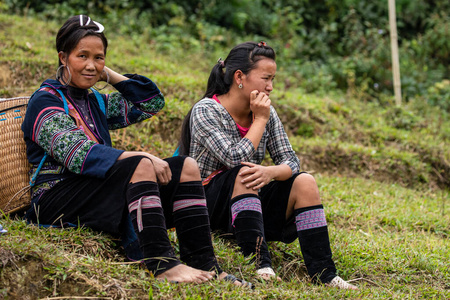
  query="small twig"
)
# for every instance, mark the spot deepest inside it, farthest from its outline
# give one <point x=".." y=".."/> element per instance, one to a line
<point x="125" y="263"/>
<point x="74" y="297"/>
<point x="369" y="281"/>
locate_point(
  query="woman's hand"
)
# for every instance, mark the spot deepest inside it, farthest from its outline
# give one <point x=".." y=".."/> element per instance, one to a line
<point x="260" y="105"/>
<point x="114" y="77"/>
<point x="162" y="169"/>
<point x="256" y="176"/>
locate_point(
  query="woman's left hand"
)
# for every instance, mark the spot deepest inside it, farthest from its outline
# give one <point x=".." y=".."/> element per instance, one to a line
<point x="256" y="176"/>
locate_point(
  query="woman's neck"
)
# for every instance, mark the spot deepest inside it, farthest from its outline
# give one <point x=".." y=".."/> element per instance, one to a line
<point x="76" y="93"/>
<point x="238" y="107"/>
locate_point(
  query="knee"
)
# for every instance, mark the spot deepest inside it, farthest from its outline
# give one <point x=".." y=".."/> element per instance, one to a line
<point x="305" y="186"/>
<point x="144" y="171"/>
<point x="241" y="188"/>
<point x="238" y="179"/>
<point x="305" y="180"/>
<point x="190" y="170"/>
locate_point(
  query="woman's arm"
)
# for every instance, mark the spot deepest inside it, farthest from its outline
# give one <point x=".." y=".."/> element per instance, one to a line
<point x="114" y="77"/>
<point x="218" y="134"/>
<point x="52" y="129"/>
<point x="257" y="176"/>
<point x="260" y="107"/>
<point x="280" y="149"/>
<point x="278" y="145"/>
<point x="137" y="99"/>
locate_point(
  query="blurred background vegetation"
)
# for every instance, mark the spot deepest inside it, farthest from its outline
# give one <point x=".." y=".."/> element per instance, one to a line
<point x="383" y="171"/>
<point x="322" y="45"/>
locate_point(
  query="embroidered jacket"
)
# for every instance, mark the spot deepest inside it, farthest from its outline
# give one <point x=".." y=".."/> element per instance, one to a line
<point x="47" y="128"/>
<point x="213" y="128"/>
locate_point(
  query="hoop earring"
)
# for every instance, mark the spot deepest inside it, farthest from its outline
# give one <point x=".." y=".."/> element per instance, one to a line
<point x="240" y="85"/>
<point x="107" y="81"/>
<point x="60" y="76"/>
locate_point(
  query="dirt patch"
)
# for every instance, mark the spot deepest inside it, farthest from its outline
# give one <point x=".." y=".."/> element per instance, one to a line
<point x="333" y="160"/>
<point x="30" y="279"/>
<point x="23" y="280"/>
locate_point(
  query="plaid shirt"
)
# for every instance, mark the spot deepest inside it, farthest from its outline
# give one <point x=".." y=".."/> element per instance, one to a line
<point x="213" y="128"/>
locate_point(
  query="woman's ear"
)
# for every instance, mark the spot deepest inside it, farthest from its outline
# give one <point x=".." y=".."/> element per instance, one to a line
<point x="238" y="76"/>
<point x="62" y="57"/>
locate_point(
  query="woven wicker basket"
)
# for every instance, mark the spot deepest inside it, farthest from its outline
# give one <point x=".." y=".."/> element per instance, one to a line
<point x="14" y="166"/>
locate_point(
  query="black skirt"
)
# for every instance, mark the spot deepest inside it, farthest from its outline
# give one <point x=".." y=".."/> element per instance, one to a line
<point x="99" y="204"/>
<point x="274" y="200"/>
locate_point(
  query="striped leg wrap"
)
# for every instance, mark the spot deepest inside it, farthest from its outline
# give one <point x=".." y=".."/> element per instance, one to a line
<point x="312" y="233"/>
<point x="192" y="226"/>
<point x="147" y="216"/>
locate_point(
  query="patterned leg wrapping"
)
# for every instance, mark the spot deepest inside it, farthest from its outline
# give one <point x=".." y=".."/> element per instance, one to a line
<point x="191" y="221"/>
<point x="248" y="224"/>
<point x="148" y="220"/>
<point x="315" y="244"/>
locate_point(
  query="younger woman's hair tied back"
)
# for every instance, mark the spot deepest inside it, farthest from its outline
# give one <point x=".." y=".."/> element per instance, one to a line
<point x="221" y="62"/>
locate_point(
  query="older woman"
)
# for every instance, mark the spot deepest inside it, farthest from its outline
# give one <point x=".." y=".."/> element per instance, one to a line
<point x="80" y="180"/>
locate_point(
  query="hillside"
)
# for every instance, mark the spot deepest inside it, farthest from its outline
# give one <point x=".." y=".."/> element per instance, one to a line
<point x="383" y="171"/>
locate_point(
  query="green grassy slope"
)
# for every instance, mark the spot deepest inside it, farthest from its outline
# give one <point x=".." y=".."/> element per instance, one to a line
<point x="383" y="173"/>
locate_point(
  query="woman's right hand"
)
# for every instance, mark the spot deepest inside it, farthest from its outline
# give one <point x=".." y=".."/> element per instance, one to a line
<point x="260" y="105"/>
<point x="161" y="167"/>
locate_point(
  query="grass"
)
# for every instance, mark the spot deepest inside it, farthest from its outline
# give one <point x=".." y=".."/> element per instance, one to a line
<point x="383" y="173"/>
<point x="390" y="240"/>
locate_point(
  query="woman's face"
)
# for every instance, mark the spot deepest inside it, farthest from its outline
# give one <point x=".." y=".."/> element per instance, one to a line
<point x="85" y="62"/>
<point x="261" y="77"/>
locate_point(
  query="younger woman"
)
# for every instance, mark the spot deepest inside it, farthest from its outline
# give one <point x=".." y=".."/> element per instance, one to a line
<point x="228" y="133"/>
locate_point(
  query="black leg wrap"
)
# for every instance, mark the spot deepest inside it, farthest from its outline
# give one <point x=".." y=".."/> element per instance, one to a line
<point x="154" y="242"/>
<point x="249" y="232"/>
<point x="192" y="226"/>
<point x="315" y="246"/>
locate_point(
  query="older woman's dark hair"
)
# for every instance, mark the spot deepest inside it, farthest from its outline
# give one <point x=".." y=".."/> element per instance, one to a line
<point x="243" y="57"/>
<point x="72" y="32"/>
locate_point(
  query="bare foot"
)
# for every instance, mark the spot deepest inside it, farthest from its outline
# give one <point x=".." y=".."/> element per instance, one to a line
<point x="183" y="273"/>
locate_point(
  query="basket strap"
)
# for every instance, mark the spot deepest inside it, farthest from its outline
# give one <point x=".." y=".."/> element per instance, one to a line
<point x="100" y="101"/>
<point x="66" y="109"/>
<point x="33" y="178"/>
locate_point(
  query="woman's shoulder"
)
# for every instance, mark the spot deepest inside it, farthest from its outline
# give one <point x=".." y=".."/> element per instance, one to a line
<point x="46" y="94"/>
<point x="207" y="108"/>
<point x="207" y="103"/>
